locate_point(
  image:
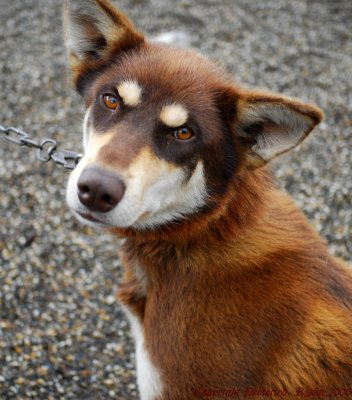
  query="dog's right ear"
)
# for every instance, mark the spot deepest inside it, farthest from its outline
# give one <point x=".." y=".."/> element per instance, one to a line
<point x="95" y="33"/>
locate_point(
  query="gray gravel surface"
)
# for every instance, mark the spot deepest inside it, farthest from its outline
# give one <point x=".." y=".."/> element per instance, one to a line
<point x="62" y="334"/>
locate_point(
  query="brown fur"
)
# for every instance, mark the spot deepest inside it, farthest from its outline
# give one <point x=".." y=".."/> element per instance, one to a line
<point x="244" y="293"/>
<point x="264" y="306"/>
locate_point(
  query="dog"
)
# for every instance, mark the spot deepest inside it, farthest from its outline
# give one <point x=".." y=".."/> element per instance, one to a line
<point x="226" y="285"/>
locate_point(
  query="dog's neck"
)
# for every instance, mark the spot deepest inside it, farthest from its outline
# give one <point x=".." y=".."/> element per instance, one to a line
<point x="238" y="214"/>
<point x="255" y="226"/>
<point x="237" y="210"/>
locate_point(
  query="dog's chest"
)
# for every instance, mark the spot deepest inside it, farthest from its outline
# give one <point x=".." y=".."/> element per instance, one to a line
<point x="148" y="377"/>
<point x="133" y="294"/>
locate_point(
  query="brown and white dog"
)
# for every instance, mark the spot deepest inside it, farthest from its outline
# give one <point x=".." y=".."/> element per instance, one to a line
<point x="226" y="284"/>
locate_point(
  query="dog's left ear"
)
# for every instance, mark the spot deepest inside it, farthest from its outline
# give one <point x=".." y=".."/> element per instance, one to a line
<point x="95" y="32"/>
<point x="269" y="125"/>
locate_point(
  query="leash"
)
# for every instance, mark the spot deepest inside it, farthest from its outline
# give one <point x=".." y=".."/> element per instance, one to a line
<point x="46" y="149"/>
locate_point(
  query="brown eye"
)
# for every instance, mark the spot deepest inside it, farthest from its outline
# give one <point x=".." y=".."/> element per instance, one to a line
<point x="182" y="133"/>
<point x="110" y="101"/>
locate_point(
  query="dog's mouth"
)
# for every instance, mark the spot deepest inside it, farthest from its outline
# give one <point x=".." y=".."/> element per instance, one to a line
<point x="89" y="217"/>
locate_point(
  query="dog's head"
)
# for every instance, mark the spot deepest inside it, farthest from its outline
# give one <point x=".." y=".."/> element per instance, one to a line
<point x="166" y="130"/>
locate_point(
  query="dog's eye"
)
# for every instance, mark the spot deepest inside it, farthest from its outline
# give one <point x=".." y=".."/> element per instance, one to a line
<point x="111" y="101"/>
<point x="182" y="133"/>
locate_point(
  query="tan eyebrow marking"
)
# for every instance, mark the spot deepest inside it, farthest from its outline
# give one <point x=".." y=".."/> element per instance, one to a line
<point x="130" y="92"/>
<point x="174" y="115"/>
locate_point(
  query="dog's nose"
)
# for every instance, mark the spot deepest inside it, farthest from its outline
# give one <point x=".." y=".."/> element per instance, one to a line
<point x="100" y="190"/>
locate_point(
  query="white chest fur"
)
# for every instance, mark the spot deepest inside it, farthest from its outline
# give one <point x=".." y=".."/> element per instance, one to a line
<point x="148" y="377"/>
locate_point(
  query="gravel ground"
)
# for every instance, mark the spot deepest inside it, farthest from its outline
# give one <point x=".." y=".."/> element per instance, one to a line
<point x="62" y="335"/>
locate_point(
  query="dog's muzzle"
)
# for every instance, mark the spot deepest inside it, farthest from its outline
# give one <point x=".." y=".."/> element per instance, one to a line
<point x="100" y="190"/>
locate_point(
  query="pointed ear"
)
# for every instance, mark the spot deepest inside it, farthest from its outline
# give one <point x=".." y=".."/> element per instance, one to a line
<point x="95" y="32"/>
<point x="269" y="125"/>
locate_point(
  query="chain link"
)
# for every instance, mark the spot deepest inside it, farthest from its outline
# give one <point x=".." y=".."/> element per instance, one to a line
<point x="46" y="149"/>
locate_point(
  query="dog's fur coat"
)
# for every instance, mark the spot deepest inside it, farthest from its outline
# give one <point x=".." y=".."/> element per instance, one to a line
<point x="226" y="284"/>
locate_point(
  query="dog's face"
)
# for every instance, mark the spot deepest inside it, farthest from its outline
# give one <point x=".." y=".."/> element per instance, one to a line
<point x="152" y="123"/>
<point x="165" y="131"/>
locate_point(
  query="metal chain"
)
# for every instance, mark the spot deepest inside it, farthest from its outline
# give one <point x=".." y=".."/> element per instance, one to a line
<point x="46" y="149"/>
